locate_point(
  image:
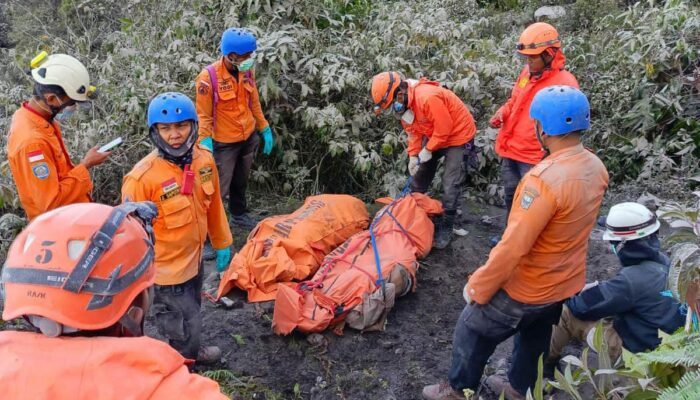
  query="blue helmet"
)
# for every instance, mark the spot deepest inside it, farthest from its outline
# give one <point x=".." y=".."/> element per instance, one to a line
<point x="168" y="108"/>
<point x="560" y="110"/>
<point x="238" y="41"/>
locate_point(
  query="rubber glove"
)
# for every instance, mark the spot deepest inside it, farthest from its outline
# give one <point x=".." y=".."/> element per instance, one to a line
<point x="425" y="155"/>
<point x="207" y="142"/>
<point x="223" y="256"/>
<point x="465" y="293"/>
<point x="412" y="165"/>
<point x="267" y="137"/>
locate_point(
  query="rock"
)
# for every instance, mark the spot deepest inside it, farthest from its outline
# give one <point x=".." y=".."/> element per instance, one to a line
<point x="316" y="339"/>
<point x="550" y="12"/>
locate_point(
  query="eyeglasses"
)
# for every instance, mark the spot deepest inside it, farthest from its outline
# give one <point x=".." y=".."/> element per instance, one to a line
<point x="521" y="46"/>
<point x="378" y="106"/>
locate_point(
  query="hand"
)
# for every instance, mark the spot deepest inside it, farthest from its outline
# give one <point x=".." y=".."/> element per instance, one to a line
<point x="223" y="256"/>
<point x="589" y="285"/>
<point x="94" y="157"/>
<point x="267" y="137"/>
<point x="497" y="119"/>
<point x="425" y="155"/>
<point x="465" y="294"/>
<point x="208" y="143"/>
<point x="413" y="165"/>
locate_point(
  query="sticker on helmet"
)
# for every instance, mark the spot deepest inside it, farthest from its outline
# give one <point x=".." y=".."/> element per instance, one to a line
<point x="41" y="171"/>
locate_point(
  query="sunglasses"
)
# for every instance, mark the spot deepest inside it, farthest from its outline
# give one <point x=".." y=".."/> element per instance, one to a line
<point x="531" y="46"/>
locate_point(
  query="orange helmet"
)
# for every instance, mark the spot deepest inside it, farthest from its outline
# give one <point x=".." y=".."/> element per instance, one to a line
<point x="383" y="87"/>
<point x="536" y="38"/>
<point x="80" y="266"/>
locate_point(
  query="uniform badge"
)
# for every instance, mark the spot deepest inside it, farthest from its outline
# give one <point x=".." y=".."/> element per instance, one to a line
<point x="523" y="82"/>
<point x="527" y="199"/>
<point x="203" y="88"/>
<point x="41" y="171"/>
<point x="170" y="189"/>
<point x="205" y="174"/>
<point x="35" y="156"/>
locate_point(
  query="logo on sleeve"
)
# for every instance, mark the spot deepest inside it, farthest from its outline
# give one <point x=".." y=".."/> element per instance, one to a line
<point x="41" y="170"/>
<point x="523" y="82"/>
<point x="203" y="88"/>
<point x="170" y="189"/>
<point x="205" y="174"/>
<point x="527" y="199"/>
<point x="35" y="156"/>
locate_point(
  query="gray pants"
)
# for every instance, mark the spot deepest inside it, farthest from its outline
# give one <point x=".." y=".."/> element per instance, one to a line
<point x="511" y="173"/>
<point x="177" y="313"/>
<point x="233" y="162"/>
<point x="452" y="176"/>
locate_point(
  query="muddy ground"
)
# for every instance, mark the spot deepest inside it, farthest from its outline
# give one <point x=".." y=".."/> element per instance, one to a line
<point x="413" y="351"/>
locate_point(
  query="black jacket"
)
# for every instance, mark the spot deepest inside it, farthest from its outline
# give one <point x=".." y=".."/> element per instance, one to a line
<point x="633" y="297"/>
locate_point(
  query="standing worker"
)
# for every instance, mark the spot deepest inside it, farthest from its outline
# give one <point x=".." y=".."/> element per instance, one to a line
<point x="228" y="105"/>
<point x="39" y="161"/>
<point x="82" y="277"/>
<point x="516" y="143"/>
<point x="541" y="260"/>
<point x="181" y="178"/>
<point x="439" y="125"/>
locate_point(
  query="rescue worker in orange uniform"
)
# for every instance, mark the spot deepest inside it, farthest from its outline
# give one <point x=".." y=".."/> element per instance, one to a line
<point x="41" y="167"/>
<point x="439" y="125"/>
<point x="180" y="177"/>
<point x="541" y="260"/>
<point x="82" y="277"/>
<point x="228" y="105"/>
<point x="516" y="143"/>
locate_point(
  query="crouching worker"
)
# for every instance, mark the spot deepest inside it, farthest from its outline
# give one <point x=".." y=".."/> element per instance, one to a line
<point x="634" y="298"/>
<point x="541" y="260"/>
<point x="82" y="276"/>
<point x="181" y="178"/>
<point x="439" y="125"/>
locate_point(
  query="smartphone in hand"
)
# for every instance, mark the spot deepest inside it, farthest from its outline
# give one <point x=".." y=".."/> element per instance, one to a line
<point x="111" y="145"/>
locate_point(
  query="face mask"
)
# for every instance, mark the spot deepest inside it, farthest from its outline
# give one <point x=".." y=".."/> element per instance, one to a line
<point x="65" y="114"/>
<point x="246" y="65"/>
<point x="408" y="117"/>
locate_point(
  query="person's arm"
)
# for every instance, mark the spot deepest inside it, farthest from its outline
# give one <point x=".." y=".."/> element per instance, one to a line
<point x="255" y="106"/>
<point x="603" y="300"/>
<point x="533" y="207"/>
<point x="439" y="114"/>
<point x="217" y="223"/>
<point x="181" y="384"/>
<point x="37" y="177"/>
<point x="205" y="105"/>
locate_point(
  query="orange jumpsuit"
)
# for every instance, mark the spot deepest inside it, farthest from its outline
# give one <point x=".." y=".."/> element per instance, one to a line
<point x="75" y="368"/>
<point x="183" y="220"/>
<point x="542" y="256"/>
<point x="238" y="113"/>
<point x="41" y="167"/>
<point x="440" y="116"/>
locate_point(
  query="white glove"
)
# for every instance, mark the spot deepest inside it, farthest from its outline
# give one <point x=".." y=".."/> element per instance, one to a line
<point x="465" y="293"/>
<point x="425" y="155"/>
<point x="413" y="165"/>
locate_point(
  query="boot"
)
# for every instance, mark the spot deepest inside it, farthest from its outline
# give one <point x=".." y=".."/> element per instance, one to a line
<point x="497" y="384"/>
<point x="443" y="231"/>
<point x="208" y="253"/>
<point x="209" y="355"/>
<point x="245" y="221"/>
<point x="441" y="391"/>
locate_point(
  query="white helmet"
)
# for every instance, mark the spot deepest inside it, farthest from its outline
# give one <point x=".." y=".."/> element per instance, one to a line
<point x="64" y="71"/>
<point x="629" y="221"/>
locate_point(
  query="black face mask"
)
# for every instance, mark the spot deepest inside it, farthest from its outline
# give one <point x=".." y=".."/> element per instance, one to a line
<point x="52" y="109"/>
<point x="180" y="156"/>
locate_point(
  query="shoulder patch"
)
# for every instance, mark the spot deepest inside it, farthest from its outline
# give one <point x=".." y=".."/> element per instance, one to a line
<point x="41" y="170"/>
<point x="523" y="82"/>
<point x="203" y="88"/>
<point x="528" y="197"/>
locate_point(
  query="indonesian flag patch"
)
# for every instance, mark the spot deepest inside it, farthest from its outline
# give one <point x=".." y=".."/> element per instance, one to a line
<point x="35" y="156"/>
<point x="170" y="189"/>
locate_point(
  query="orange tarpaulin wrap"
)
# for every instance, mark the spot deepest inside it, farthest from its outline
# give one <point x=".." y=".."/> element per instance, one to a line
<point x="291" y="247"/>
<point x="347" y="288"/>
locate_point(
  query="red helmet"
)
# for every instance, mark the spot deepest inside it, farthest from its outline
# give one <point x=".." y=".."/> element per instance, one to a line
<point x="80" y="266"/>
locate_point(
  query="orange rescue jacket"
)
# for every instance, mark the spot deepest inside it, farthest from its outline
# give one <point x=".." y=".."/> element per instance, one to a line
<point x="542" y="255"/>
<point x="107" y="368"/>
<point x="238" y="113"/>
<point x="183" y="220"/>
<point x="516" y="139"/>
<point x="41" y="167"/>
<point x="440" y="116"/>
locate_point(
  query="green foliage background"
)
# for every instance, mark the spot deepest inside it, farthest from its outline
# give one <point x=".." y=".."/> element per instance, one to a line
<point x="638" y="62"/>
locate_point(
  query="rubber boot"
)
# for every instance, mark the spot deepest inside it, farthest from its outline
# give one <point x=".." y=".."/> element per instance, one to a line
<point x="443" y="231"/>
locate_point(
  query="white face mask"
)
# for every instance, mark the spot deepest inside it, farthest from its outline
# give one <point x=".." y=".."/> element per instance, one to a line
<point x="408" y="117"/>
